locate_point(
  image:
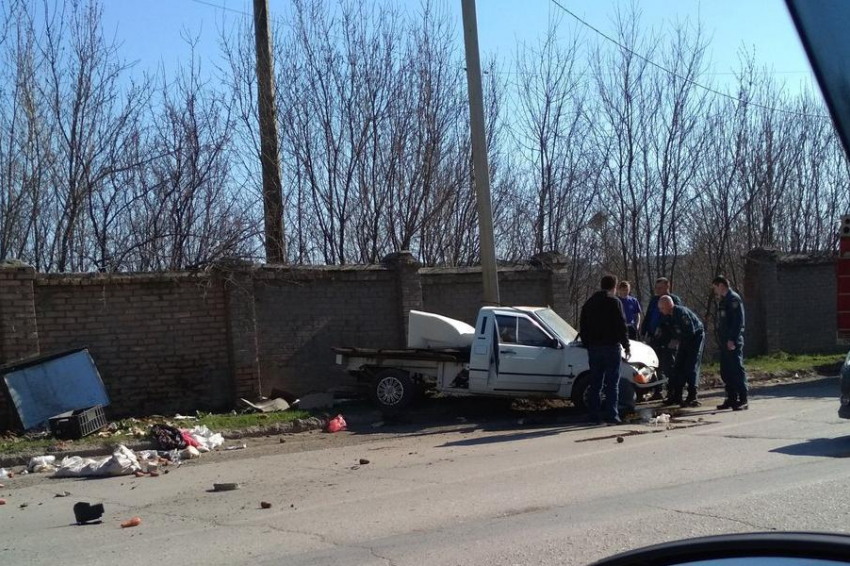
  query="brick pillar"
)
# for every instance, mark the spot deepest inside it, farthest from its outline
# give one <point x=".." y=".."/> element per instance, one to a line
<point x="18" y="326"/>
<point x="558" y="294"/>
<point x="241" y="329"/>
<point x="762" y="302"/>
<point x="409" y="288"/>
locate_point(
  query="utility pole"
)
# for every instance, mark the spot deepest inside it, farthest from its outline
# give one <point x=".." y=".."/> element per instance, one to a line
<point x="275" y="242"/>
<point x="480" y="167"/>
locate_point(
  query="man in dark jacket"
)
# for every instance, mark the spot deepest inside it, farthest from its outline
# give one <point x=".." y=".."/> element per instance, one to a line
<point x="688" y="334"/>
<point x="603" y="331"/>
<point x="730" y="340"/>
<point x="656" y="327"/>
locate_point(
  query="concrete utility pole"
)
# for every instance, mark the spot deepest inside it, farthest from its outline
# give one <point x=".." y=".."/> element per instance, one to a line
<point x="480" y="167"/>
<point x="275" y="242"/>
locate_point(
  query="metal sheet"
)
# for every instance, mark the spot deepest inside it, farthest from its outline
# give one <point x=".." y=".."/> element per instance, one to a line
<point x="44" y="387"/>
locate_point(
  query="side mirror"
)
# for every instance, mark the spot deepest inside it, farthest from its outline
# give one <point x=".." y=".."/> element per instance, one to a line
<point x="555" y="343"/>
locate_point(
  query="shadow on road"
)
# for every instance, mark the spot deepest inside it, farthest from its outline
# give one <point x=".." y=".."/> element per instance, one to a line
<point x="826" y="447"/>
<point x="820" y="388"/>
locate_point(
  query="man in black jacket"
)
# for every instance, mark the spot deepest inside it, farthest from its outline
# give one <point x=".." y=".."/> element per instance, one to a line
<point x="603" y="331"/>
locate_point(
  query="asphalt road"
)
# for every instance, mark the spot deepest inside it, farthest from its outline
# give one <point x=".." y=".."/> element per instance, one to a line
<point x="499" y="493"/>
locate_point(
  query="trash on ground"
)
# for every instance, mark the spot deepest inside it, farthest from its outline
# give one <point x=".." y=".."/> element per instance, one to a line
<point x="86" y="512"/>
<point x="4" y="473"/>
<point x="337" y="424"/>
<point x="63" y="494"/>
<point x="661" y="419"/>
<point x="46" y="386"/>
<point x="354" y="468"/>
<point x="315" y="401"/>
<point x="205" y="438"/>
<point x="122" y="462"/>
<point x="134" y="522"/>
<point x="363" y="461"/>
<point x="190" y="453"/>
<point x="237" y="447"/>
<point x="265" y="505"/>
<point x="2" y="501"/>
<point x="167" y="437"/>
<point x="179" y="417"/>
<point x="41" y="464"/>
<point x="265" y="405"/>
<point x="225" y="486"/>
<point x="23" y="505"/>
<point x="73" y="425"/>
<point x="620" y="439"/>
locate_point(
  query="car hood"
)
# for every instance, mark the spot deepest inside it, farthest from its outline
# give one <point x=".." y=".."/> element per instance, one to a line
<point x="642" y="354"/>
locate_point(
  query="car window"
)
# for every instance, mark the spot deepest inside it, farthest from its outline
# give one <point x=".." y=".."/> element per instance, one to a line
<point x="529" y="334"/>
<point x="507" y="328"/>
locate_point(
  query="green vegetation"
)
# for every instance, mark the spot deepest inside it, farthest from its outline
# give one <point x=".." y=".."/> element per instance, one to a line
<point x="782" y="363"/>
<point x="231" y="421"/>
<point x="10" y="445"/>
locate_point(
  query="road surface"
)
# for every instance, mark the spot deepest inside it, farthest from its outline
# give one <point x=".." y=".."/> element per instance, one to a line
<point x="495" y="494"/>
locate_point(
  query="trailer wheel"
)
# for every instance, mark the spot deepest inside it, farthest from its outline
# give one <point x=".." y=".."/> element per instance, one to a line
<point x="393" y="390"/>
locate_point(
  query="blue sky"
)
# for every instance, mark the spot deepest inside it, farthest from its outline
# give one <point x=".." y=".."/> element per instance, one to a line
<point x="151" y="30"/>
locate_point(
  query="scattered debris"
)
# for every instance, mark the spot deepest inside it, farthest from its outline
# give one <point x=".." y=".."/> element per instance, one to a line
<point x="354" y="468"/>
<point x="190" y="453"/>
<point x="265" y="505"/>
<point x="620" y="439"/>
<point x="23" y="505"/>
<point x="139" y="474"/>
<point x="4" y="473"/>
<point x="266" y="405"/>
<point x="363" y="461"/>
<point x="237" y="447"/>
<point x="179" y="417"/>
<point x="42" y="464"/>
<point x="225" y="486"/>
<point x="337" y="424"/>
<point x="134" y="522"/>
<point x="661" y="419"/>
<point x="168" y="437"/>
<point x="86" y="512"/>
<point x="282" y="440"/>
<point x="315" y="401"/>
<point x="122" y="462"/>
<point x="63" y="494"/>
<point x="205" y="438"/>
<point x="154" y="474"/>
<point x="2" y="502"/>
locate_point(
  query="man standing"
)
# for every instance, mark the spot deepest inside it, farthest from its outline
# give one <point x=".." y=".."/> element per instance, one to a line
<point x="688" y="333"/>
<point x="730" y="340"/>
<point x="655" y="327"/>
<point x="631" y="308"/>
<point x="603" y="331"/>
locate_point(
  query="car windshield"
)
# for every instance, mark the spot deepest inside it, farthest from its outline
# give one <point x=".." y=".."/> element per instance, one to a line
<point x="557" y="324"/>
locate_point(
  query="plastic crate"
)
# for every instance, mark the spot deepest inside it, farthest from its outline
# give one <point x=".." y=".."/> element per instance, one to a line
<point x="77" y="424"/>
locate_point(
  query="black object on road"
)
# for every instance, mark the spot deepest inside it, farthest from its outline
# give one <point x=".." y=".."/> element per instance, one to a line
<point x="87" y="513"/>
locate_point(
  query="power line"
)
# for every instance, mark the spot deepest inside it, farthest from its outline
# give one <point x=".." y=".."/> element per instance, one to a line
<point x="677" y="75"/>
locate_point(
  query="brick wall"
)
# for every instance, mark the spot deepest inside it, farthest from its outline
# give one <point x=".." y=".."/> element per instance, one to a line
<point x="160" y="342"/>
<point x="791" y="303"/>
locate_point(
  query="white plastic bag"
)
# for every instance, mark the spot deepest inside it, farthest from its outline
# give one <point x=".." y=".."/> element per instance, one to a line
<point x="40" y="464"/>
<point x="122" y="462"/>
<point x="206" y="439"/>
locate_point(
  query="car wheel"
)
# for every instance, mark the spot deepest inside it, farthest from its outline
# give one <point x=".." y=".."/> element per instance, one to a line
<point x="580" y="391"/>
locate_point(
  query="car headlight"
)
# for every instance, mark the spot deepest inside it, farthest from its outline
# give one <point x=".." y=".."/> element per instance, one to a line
<point x="845" y="400"/>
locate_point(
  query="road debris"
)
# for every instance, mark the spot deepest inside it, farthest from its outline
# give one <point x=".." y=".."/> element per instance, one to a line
<point x="266" y="405"/>
<point x="41" y="464"/>
<point x="242" y="446"/>
<point x="363" y="461"/>
<point x="63" y="494"/>
<point x="4" y="473"/>
<point x="23" y="505"/>
<point x="2" y="502"/>
<point x="661" y="419"/>
<point x="620" y="440"/>
<point x="225" y="486"/>
<point x="122" y="462"/>
<point x="87" y="513"/>
<point x="134" y="522"/>
<point x="354" y="468"/>
<point x="265" y="505"/>
<point x="337" y="424"/>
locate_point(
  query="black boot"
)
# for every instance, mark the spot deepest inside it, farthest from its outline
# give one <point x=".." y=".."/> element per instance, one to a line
<point x="729" y="403"/>
<point x="741" y="405"/>
<point x="691" y="401"/>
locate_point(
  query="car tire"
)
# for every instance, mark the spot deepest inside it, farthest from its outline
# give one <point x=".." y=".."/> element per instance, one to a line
<point x="579" y="392"/>
<point x="393" y="390"/>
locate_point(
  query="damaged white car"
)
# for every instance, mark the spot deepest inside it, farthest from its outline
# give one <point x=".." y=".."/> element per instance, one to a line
<point x="519" y="352"/>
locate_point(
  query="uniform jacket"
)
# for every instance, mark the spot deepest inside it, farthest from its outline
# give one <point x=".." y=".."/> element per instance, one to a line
<point x="685" y="325"/>
<point x="730" y="318"/>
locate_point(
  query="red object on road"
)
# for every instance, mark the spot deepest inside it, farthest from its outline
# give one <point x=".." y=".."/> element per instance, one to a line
<point x="337" y="424"/>
<point x="134" y="522"/>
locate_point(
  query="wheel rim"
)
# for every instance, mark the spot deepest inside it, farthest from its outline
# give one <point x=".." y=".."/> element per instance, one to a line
<point x="390" y="390"/>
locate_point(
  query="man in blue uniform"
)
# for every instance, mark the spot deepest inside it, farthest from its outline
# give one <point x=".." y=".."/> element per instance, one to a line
<point x="730" y="340"/>
<point x="631" y="308"/>
<point x="688" y="335"/>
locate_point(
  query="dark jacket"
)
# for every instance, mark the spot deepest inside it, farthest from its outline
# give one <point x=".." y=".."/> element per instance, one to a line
<point x="602" y="321"/>
<point x="685" y="326"/>
<point x="730" y="318"/>
<point x="653" y="320"/>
